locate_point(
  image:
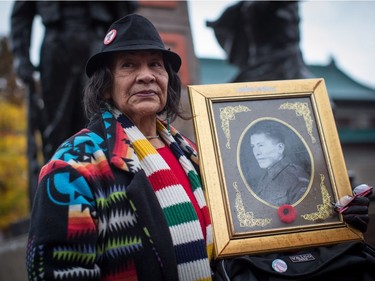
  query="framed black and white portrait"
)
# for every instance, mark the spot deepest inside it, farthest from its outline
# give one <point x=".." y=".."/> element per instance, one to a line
<point x="271" y="164"/>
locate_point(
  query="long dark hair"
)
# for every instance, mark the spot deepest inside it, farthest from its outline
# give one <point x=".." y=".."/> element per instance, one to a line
<point x="101" y="81"/>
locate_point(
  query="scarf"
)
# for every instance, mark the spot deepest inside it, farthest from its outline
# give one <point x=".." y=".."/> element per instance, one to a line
<point x="190" y="247"/>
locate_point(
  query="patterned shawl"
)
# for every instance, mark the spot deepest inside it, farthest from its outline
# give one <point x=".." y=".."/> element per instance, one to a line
<point x="192" y="252"/>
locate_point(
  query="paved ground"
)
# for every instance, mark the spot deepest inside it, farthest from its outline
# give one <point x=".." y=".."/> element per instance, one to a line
<point x="12" y="259"/>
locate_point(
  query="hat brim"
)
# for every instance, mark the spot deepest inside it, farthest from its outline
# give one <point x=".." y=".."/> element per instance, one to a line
<point x="101" y="58"/>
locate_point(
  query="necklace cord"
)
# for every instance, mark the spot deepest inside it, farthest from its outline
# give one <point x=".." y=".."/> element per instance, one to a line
<point x="152" y="137"/>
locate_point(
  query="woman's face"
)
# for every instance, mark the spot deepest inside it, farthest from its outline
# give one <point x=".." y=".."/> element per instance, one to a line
<point x="140" y="83"/>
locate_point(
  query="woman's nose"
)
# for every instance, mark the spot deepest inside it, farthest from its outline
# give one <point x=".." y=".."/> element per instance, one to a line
<point x="145" y="75"/>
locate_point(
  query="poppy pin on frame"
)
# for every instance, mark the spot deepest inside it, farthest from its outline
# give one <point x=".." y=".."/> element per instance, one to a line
<point x="287" y="213"/>
<point x="111" y="35"/>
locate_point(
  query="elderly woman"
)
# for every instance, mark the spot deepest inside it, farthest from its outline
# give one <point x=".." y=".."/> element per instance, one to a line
<point x="122" y="199"/>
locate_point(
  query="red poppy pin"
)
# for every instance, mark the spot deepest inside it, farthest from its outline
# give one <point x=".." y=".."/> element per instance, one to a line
<point x="111" y="35"/>
<point x="287" y="213"/>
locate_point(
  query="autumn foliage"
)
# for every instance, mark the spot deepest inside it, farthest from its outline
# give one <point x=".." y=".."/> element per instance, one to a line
<point x="14" y="198"/>
<point x="13" y="163"/>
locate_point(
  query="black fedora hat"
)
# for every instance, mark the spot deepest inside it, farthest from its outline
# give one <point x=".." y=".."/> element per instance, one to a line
<point x="131" y="33"/>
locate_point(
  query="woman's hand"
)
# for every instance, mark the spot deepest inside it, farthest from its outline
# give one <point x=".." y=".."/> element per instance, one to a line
<point x="355" y="208"/>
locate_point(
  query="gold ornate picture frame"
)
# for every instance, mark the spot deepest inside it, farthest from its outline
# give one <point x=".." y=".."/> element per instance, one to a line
<point x="249" y="216"/>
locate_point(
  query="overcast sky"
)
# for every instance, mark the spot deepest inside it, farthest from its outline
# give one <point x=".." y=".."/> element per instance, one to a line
<point x="339" y="29"/>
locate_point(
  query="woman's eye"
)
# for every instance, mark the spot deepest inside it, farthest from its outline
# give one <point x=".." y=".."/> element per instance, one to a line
<point x="157" y="64"/>
<point x="127" y="64"/>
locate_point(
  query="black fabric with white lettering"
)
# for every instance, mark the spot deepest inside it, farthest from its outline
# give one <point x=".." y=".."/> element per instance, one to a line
<point x="353" y="261"/>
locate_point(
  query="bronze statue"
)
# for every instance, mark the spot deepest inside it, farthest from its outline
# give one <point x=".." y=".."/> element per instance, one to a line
<point x="262" y="39"/>
<point x="73" y="31"/>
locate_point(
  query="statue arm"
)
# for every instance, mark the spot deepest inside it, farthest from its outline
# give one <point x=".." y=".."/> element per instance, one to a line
<point x="22" y="18"/>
